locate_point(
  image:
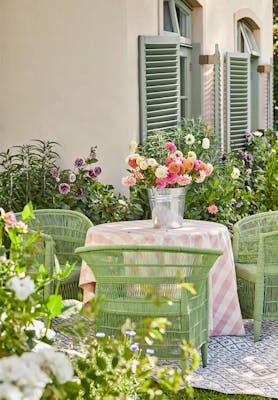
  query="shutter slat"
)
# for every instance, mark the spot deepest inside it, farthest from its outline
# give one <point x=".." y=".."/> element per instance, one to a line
<point x="238" y="99"/>
<point x="159" y="83"/>
<point x="218" y="98"/>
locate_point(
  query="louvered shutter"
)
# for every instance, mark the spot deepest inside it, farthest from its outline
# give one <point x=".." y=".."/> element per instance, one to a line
<point x="217" y="98"/>
<point x="238" y="99"/>
<point x="159" y="83"/>
<point x="270" y="98"/>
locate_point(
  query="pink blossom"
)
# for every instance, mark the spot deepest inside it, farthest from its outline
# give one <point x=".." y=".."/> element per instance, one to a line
<point x="72" y="177"/>
<point x="91" y="173"/>
<point x="209" y="169"/>
<point x="168" y="160"/>
<point x="64" y="188"/>
<point x="185" y="180"/>
<point x="171" y="146"/>
<point x="9" y="219"/>
<point x="248" y="171"/>
<point x="138" y="174"/>
<point x="161" y="183"/>
<point x="213" y="209"/>
<point x="128" y="181"/>
<point x="197" y="165"/>
<point x="172" y="178"/>
<point x="201" y="177"/>
<point x="55" y="173"/>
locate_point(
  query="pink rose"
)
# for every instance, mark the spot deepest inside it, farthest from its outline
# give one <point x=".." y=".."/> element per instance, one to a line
<point x="171" y="146"/>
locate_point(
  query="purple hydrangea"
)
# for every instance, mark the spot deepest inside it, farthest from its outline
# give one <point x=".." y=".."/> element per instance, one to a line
<point x="55" y="173"/>
<point x="249" y="157"/>
<point x="79" y="163"/>
<point x="78" y="192"/>
<point x="64" y="188"/>
<point x="97" y="171"/>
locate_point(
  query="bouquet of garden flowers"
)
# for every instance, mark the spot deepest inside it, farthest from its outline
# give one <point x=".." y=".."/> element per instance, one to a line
<point x="177" y="169"/>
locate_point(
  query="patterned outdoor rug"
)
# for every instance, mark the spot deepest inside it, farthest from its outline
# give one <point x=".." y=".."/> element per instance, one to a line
<point x="237" y="365"/>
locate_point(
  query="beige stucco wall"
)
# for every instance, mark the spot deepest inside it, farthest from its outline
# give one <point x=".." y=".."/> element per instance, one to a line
<point x="68" y="69"/>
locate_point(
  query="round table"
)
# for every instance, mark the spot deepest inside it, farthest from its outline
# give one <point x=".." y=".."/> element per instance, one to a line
<point x="225" y="314"/>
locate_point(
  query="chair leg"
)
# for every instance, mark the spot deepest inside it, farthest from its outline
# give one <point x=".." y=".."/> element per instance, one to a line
<point x="257" y="329"/>
<point x="204" y="353"/>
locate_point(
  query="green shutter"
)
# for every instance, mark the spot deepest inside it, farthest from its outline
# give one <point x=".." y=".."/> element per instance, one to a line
<point x="159" y="83"/>
<point x="217" y="99"/>
<point x="238" y="99"/>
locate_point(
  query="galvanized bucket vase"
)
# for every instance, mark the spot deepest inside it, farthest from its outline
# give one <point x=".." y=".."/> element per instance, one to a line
<point x="167" y="206"/>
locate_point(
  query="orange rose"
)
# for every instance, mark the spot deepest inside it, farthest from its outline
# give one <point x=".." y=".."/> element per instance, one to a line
<point x="174" y="168"/>
<point x="188" y="164"/>
<point x="132" y="162"/>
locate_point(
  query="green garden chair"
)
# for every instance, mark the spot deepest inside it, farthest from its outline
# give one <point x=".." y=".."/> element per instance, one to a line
<point x="67" y="230"/>
<point x="255" y="247"/>
<point x="125" y="274"/>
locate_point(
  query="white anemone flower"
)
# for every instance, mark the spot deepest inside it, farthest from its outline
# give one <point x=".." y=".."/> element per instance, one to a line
<point x="192" y="154"/>
<point x="152" y="162"/>
<point x="161" y="171"/>
<point x="257" y="133"/>
<point x="22" y="287"/>
<point x="189" y="139"/>
<point x="235" y="173"/>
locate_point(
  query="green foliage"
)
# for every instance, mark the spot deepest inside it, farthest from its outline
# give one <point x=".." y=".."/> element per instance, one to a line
<point x="254" y="190"/>
<point x="25" y="175"/>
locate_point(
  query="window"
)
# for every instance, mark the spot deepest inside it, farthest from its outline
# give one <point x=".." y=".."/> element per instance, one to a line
<point x="165" y="71"/>
<point x="242" y="89"/>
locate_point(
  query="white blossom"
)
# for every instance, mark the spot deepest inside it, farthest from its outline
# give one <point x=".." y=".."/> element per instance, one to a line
<point x="192" y="154"/>
<point x="161" y="171"/>
<point x="10" y="392"/>
<point x="205" y="143"/>
<point x="235" y="173"/>
<point x="59" y="365"/>
<point x="189" y="139"/>
<point x="41" y="331"/>
<point x="143" y="165"/>
<point x="22" y="287"/>
<point x="133" y="146"/>
<point x="257" y="133"/>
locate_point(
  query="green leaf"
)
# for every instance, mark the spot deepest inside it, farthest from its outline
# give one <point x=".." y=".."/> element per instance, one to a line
<point x="54" y="305"/>
<point x="27" y="212"/>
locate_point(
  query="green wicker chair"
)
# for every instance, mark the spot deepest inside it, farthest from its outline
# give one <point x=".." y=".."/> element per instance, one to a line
<point x="68" y="230"/>
<point x="124" y="275"/>
<point x="255" y="247"/>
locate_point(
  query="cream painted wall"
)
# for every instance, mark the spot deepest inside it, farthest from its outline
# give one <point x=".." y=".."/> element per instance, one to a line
<point x="69" y="69"/>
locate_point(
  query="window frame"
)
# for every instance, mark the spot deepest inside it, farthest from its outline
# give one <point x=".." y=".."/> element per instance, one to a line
<point x="184" y="40"/>
<point x="249" y="39"/>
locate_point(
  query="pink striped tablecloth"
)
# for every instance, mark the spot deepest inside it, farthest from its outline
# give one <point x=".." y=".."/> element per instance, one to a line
<point x="225" y="314"/>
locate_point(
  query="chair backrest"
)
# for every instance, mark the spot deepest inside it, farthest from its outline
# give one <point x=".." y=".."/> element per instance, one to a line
<point x="67" y="228"/>
<point x="246" y="235"/>
<point x="127" y="276"/>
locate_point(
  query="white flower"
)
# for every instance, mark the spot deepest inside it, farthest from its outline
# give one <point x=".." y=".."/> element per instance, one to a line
<point x="161" y="171"/>
<point x="40" y="330"/>
<point x="133" y="156"/>
<point x="235" y="173"/>
<point x="257" y="133"/>
<point x="122" y="202"/>
<point x="133" y="146"/>
<point x="152" y="162"/>
<point x="205" y="143"/>
<point x="22" y="287"/>
<point x="189" y="139"/>
<point x="59" y="365"/>
<point x="143" y="165"/>
<point x="178" y="154"/>
<point x="192" y="154"/>
<point x="10" y="392"/>
<point x="11" y="368"/>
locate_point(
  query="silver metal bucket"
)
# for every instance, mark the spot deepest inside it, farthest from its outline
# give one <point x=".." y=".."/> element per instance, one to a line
<point x="167" y="206"/>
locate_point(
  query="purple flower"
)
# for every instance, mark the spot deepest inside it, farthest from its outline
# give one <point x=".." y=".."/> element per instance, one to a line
<point x="92" y="155"/>
<point x="248" y="135"/>
<point x="91" y="174"/>
<point x="240" y="153"/>
<point x="224" y="157"/>
<point x="249" y="157"/>
<point x="64" y="188"/>
<point x="79" y="163"/>
<point x="135" y="347"/>
<point x="130" y="333"/>
<point x="150" y="351"/>
<point x="72" y="177"/>
<point x="78" y="192"/>
<point x="97" y="171"/>
<point x="248" y="171"/>
<point x="55" y="173"/>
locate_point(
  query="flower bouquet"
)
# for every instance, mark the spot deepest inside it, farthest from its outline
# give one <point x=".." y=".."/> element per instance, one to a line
<point x="166" y="181"/>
